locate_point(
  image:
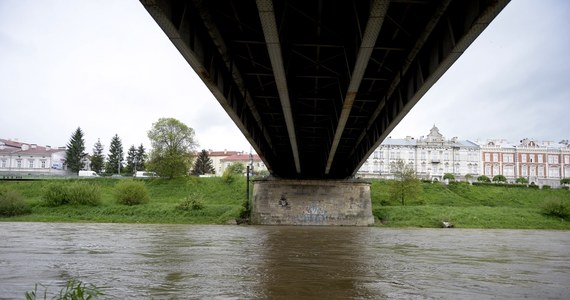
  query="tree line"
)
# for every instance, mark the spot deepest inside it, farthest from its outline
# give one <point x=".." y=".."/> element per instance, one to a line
<point x="172" y="153"/>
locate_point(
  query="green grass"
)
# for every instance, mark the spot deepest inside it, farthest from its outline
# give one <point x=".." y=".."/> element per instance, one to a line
<point x="222" y="202"/>
<point x="463" y="205"/>
<point x="468" y="206"/>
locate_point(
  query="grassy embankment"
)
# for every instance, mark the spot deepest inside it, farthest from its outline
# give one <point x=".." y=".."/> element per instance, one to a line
<point x="222" y="201"/>
<point x="468" y="206"/>
<point x="463" y="205"/>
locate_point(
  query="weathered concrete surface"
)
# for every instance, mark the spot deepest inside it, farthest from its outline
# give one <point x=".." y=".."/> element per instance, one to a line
<point x="311" y="202"/>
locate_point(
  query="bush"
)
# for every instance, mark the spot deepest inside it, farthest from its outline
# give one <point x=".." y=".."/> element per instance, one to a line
<point x="521" y="180"/>
<point x="448" y="176"/>
<point x="81" y="193"/>
<point x="499" y="178"/>
<point x="556" y="208"/>
<point x="12" y="204"/>
<point x="55" y="194"/>
<point x="77" y="193"/>
<point x="192" y="202"/>
<point x="483" y="178"/>
<point x="545" y="187"/>
<point x="129" y="192"/>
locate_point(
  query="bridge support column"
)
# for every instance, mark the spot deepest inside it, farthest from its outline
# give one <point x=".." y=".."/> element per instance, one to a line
<point x="311" y="202"/>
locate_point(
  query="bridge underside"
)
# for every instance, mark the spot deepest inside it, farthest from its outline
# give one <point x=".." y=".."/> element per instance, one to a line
<point x="315" y="86"/>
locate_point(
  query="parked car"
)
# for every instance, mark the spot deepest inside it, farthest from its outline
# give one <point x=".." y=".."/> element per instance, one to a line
<point x="88" y="174"/>
<point x="145" y="174"/>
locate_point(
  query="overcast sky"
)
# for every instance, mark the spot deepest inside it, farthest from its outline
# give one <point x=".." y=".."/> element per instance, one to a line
<point x="107" y="67"/>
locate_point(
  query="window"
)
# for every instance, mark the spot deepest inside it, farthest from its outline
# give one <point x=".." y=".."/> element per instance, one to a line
<point x="487" y="170"/>
<point x="539" y="156"/>
<point x="495" y="157"/>
<point x="423" y="155"/>
<point x="541" y="172"/>
<point x="553" y="159"/>
<point x="496" y="169"/>
<point x="508" y="158"/>
<point x="531" y="158"/>
<point x="487" y="157"/>
<point x="567" y="159"/>
<point x="19" y="163"/>
<point x="30" y="163"/>
<point x="523" y="158"/>
<point x="43" y="164"/>
<point x="4" y="163"/>
<point x="553" y="172"/>
<point x="533" y="170"/>
<point x="509" y="171"/>
<point x="524" y="171"/>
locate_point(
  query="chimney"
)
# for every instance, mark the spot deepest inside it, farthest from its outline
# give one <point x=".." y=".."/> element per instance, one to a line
<point x="48" y="147"/>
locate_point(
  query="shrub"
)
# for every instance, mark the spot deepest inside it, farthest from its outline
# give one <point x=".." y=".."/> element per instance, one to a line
<point x="192" y="202"/>
<point x="499" y="178"/>
<point x="521" y="180"/>
<point x="448" y="176"/>
<point x="483" y="178"/>
<point x="77" y="193"/>
<point x="12" y="204"/>
<point x="129" y="192"/>
<point x="545" y="187"/>
<point x="56" y="194"/>
<point x="81" y="193"/>
<point x="556" y="208"/>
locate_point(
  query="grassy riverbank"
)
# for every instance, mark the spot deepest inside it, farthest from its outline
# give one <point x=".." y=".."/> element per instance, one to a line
<point x="468" y="206"/>
<point x="463" y="205"/>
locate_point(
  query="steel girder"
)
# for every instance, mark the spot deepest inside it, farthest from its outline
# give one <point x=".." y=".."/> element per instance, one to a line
<point x="315" y="86"/>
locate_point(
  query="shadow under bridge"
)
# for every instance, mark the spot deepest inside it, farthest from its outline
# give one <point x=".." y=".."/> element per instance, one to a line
<point x="316" y="86"/>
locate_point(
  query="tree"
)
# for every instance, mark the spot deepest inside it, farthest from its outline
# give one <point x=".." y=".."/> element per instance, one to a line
<point x="131" y="160"/>
<point x="203" y="164"/>
<point x="140" y="158"/>
<point x="97" y="159"/>
<point x="483" y="178"/>
<point x="565" y="181"/>
<point x="406" y="186"/>
<point x="448" y="176"/>
<point x="521" y="180"/>
<point x="115" y="157"/>
<point x="74" y="154"/>
<point x="172" y="147"/>
<point x="499" y="178"/>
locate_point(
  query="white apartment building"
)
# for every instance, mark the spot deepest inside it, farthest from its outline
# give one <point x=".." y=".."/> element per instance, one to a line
<point x="22" y="159"/>
<point x="431" y="157"/>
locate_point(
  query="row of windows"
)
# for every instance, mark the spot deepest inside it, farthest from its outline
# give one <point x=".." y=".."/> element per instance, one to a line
<point x="20" y="163"/>
<point x="539" y="158"/>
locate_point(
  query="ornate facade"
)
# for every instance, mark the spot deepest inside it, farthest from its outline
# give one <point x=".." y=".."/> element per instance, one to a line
<point x="431" y="157"/>
<point x="538" y="162"/>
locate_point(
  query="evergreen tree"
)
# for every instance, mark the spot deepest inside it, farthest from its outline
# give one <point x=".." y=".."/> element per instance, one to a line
<point x="115" y="157"/>
<point x="141" y="158"/>
<point x="74" y="154"/>
<point x="203" y="164"/>
<point x="97" y="159"/>
<point x="131" y="160"/>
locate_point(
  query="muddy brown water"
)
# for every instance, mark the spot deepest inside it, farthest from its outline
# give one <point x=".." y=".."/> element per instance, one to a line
<point x="129" y="261"/>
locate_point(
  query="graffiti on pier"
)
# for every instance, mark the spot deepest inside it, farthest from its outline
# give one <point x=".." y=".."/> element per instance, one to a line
<point x="314" y="214"/>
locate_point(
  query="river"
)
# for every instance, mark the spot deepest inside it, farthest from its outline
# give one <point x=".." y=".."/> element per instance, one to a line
<point x="129" y="261"/>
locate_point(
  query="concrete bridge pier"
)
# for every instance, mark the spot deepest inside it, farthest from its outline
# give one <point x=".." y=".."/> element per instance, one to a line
<point x="311" y="202"/>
